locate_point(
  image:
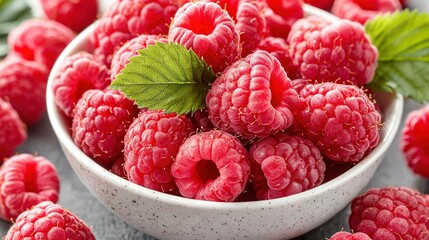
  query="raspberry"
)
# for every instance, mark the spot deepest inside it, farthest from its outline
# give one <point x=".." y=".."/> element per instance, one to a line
<point x="252" y="97"/>
<point x="323" y="4"/>
<point x="211" y="166"/>
<point x="130" y="49"/>
<point x="415" y="141"/>
<point x="26" y="180"/>
<point x="127" y="19"/>
<point x="339" y="52"/>
<point x="47" y="220"/>
<point x="362" y="10"/>
<point x="75" y="14"/>
<point x="151" y="144"/>
<point x="284" y="165"/>
<point x="209" y="31"/>
<point x="340" y="119"/>
<point x="100" y="122"/>
<point x="201" y="121"/>
<point x="118" y="167"/>
<point x="23" y="84"/>
<point x="281" y="15"/>
<point x="390" y="213"/>
<point x="279" y="48"/>
<point x="12" y="132"/>
<point x="77" y="74"/>
<point x="349" y="236"/>
<point x="40" y="40"/>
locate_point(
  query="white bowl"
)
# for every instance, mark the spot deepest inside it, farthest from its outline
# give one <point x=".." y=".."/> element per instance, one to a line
<point x="171" y="217"/>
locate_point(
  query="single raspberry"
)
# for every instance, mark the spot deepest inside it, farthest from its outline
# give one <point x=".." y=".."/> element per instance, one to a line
<point x="211" y="166"/>
<point x="47" y="220"/>
<point x="280" y="15"/>
<point x="77" y="74"/>
<point x="252" y="97"/>
<point x="415" y="141"/>
<point x="209" y="31"/>
<point x="323" y="4"/>
<point x="40" y="40"/>
<point x="362" y="10"/>
<point x="26" y="180"/>
<point x="340" y="119"/>
<point x="12" y="132"/>
<point x="201" y="121"/>
<point x="151" y="144"/>
<point x="390" y="213"/>
<point x="279" y="48"/>
<point x="118" y="167"/>
<point x="349" y="236"/>
<point x="23" y="84"/>
<point x="284" y="165"/>
<point x="75" y="14"/>
<point x="127" y="19"/>
<point x="130" y="49"/>
<point x="339" y="52"/>
<point x="100" y="122"/>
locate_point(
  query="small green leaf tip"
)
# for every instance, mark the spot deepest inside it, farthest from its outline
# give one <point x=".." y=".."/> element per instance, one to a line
<point x="166" y="76"/>
<point x="402" y="39"/>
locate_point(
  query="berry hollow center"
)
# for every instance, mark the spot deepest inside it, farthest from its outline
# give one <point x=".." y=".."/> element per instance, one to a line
<point x="207" y="170"/>
<point x="205" y="25"/>
<point x="30" y="180"/>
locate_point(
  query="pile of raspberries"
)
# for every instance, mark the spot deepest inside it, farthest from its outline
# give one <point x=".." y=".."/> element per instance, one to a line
<point x="289" y="102"/>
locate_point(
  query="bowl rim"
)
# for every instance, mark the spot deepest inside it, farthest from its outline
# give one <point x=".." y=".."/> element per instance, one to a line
<point x="61" y="131"/>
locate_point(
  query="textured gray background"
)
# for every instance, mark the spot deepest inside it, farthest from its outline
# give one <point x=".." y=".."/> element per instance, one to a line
<point x="105" y="225"/>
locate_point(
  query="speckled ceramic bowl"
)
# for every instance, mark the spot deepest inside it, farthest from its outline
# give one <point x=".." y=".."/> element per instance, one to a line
<point x="170" y="217"/>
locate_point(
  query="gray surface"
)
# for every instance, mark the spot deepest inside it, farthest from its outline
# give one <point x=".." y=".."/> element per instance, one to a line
<point x="105" y="225"/>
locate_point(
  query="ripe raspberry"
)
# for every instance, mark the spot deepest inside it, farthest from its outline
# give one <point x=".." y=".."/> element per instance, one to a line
<point x="281" y="15"/>
<point x="129" y="50"/>
<point x="340" y="119"/>
<point x="252" y="97"/>
<point x="26" y="180"/>
<point x="127" y="19"/>
<point x="415" y="141"/>
<point x="323" y="4"/>
<point x="201" y="121"/>
<point x="363" y="10"/>
<point x="390" y="213"/>
<point x="100" y="122"/>
<point x="23" y="84"/>
<point x="333" y="52"/>
<point x="12" y="132"/>
<point x="47" y="220"/>
<point x="209" y="31"/>
<point x="118" y="167"/>
<point x="151" y="144"/>
<point x="349" y="236"/>
<point x="211" y="166"/>
<point x="279" y="48"/>
<point x="40" y="40"/>
<point x="284" y="165"/>
<point x="77" y="74"/>
<point x="75" y="14"/>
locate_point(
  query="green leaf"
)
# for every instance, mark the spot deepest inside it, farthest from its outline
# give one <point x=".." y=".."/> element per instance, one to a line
<point x="166" y="77"/>
<point x="402" y="39"/>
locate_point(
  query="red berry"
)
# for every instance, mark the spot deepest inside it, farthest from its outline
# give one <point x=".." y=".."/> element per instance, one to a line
<point x="415" y="141"/>
<point x="340" y="119"/>
<point x="23" y="84"/>
<point x="338" y="52"/>
<point x="130" y="49"/>
<point x="26" y="180"/>
<point x="211" y="166"/>
<point x="349" y="236"/>
<point x="209" y="31"/>
<point x="127" y="19"/>
<point x="390" y="213"/>
<point x="201" y="121"/>
<point x="47" y="220"/>
<point x="100" y="122"/>
<point x="40" y="40"/>
<point x="363" y="10"/>
<point x="323" y="4"/>
<point x="77" y="74"/>
<point x="75" y="14"/>
<point x="284" y="165"/>
<point x="151" y="144"/>
<point x="12" y="130"/>
<point x="252" y="97"/>
<point x="118" y="167"/>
